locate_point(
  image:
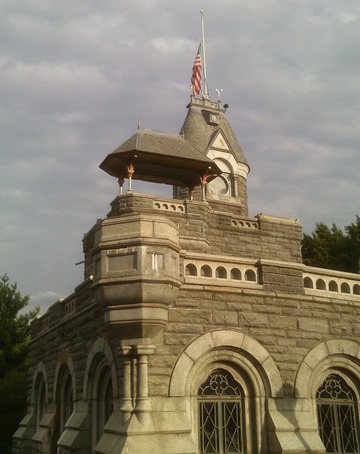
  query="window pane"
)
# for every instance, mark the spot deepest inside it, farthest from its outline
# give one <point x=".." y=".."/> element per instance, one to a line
<point x="220" y="414"/>
<point x="336" y="406"/>
<point x="327" y="427"/>
<point x="347" y="428"/>
<point x="232" y="427"/>
<point x="209" y="442"/>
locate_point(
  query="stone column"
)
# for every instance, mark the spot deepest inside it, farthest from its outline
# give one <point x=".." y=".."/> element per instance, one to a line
<point x="126" y="405"/>
<point x="142" y="406"/>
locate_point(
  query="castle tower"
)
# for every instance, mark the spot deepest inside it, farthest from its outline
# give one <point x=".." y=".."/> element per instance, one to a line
<point x="197" y="329"/>
<point x="208" y="130"/>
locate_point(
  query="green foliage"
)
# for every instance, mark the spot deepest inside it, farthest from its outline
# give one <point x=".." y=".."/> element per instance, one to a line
<point x="333" y="248"/>
<point x="14" y="341"/>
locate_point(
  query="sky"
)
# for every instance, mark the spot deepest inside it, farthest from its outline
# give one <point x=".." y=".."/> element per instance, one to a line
<point x="76" y="77"/>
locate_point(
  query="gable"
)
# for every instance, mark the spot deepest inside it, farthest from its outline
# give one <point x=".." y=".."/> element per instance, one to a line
<point x="219" y="142"/>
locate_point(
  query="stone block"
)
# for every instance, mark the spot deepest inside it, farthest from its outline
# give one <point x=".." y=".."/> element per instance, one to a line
<point x="311" y="324"/>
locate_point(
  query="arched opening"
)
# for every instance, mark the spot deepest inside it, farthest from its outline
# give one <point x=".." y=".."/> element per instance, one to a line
<point x="337" y="416"/>
<point x="333" y="287"/>
<point x="308" y="283"/>
<point x="40" y="398"/>
<point x="345" y="287"/>
<point x="206" y="271"/>
<point x="221" y="272"/>
<point x="191" y="270"/>
<point x="250" y="276"/>
<point x="221" y="414"/>
<point x="235" y="274"/>
<point x="64" y="405"/>
<point x="356" y="289"/>
<point x="320" y="284"/>
<point x="223" y="184"/>
<point x="104" y="401"/>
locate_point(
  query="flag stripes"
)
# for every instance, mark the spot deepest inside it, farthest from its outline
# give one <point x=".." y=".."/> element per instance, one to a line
<point x="196" y="74"/>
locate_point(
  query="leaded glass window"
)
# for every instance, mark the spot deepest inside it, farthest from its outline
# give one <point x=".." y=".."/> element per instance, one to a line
<point x="337" y="416"/>
<point x="221" y="426"/>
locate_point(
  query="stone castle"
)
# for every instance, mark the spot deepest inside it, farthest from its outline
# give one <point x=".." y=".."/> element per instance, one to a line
<point x="197" y="329"/>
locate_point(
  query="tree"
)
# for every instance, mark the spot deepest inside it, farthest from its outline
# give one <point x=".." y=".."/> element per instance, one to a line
<point x="14" y="341"/>
<point x="353" y="244"/>
<point x="333" y="248"/>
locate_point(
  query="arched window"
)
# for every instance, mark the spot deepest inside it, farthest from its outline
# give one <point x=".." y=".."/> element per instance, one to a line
<point x="104" y="401"/>
<point x="221" y="414"/>
<point x="40" y="398"/>
<point x="337" y="416"/>
<point x="66" y="399"/>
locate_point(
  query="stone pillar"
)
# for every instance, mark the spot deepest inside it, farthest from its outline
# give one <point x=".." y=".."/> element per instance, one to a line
<point x="142" y="406"/>
<point x="126" y="406"/>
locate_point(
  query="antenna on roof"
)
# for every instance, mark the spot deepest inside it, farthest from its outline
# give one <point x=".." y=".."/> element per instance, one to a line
<point x="205" y="86"/>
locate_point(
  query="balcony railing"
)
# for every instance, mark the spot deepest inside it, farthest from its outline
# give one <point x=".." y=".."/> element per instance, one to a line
<point x="330" y="282"/>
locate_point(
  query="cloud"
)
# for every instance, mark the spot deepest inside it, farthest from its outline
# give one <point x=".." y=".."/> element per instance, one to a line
<point x="78" y="77"/>
<point x="44" y="300"/>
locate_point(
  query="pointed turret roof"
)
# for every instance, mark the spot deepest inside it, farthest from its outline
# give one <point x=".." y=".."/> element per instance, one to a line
<point x="204" y="120"/>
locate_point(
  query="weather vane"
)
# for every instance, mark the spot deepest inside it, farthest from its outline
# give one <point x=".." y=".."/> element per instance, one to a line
<point x="219" y="91"/>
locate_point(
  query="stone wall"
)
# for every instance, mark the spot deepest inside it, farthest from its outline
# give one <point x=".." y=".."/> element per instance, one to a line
<point x="236" y="296"/>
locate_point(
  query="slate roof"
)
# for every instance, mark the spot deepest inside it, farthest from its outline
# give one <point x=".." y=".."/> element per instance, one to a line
<point x="199" y="131"/>
<point x="160" y="157"/>
<point x="178" y="160"/>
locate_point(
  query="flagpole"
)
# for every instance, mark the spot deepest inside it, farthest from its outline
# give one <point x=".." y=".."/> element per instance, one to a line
<point x="205" y="88"/>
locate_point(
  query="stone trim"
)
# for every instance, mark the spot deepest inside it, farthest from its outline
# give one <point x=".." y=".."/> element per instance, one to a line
<point x="336" y="354"/>
<point x="100" y="346"/>
<point x="239" y="348"/>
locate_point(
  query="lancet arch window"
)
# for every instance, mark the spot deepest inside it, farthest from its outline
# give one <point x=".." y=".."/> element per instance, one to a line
<point x="40" y="398"/>
<point x="66" y="398"/>
<point x="337" y="411"/>
<point x="104" y="400"/>
<point x="221" y="415"/>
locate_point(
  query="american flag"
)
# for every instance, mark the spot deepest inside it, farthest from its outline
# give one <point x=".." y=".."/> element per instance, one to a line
<point x="196" y="74"/>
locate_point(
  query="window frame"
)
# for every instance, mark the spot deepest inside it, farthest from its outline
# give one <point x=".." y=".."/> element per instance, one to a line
<point x="334" y="408"/>
<point x="221" y="402"/>
<point x="251" y="406"/>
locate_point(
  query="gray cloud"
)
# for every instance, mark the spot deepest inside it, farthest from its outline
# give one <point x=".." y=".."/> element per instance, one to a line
<point x="76" y="78"/>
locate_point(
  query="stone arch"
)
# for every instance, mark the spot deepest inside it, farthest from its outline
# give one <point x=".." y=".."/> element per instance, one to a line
<point x="40" y="369"/>
<point x="65" y="360"/>
<point x="99" y="349"/>
<point x="341" y="355"/>
<point x="191" y="270"/>
<point x="250" y="276"/>
<point x="308" y="283"/>
<point x="229" y="346"/>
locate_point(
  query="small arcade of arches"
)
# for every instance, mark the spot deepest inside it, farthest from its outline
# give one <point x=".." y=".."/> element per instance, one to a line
<point x="332" y="285"/>
<point x="229" y="272"/>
